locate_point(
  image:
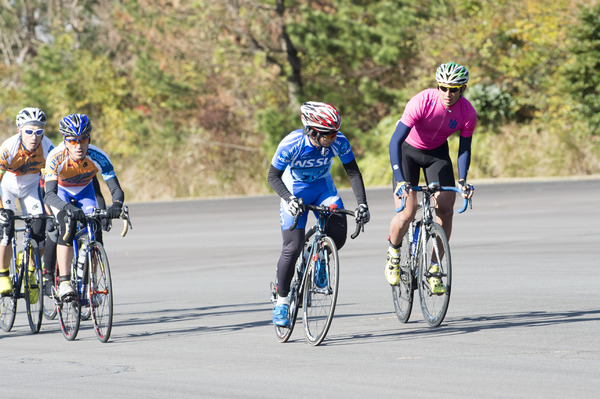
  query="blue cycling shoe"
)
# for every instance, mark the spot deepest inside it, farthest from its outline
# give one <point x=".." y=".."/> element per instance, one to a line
<point x="281" y="315"/>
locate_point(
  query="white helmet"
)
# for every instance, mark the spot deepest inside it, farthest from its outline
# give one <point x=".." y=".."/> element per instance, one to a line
<point x="321" y="117"/>
<point x="31" y="116"/>
<point x="452" y="74"/>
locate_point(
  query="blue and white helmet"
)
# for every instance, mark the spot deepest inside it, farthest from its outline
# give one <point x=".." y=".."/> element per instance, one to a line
<point x="75" y="125"/>
<point x="31" y="116"/>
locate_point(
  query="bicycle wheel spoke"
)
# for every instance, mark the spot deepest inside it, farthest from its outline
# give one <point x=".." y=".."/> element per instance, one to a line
<point x="8" y="311"/>
<point x="319" y="302"/>
<point x="402" y="293"/>
<point x="33" y="287"/>
<point x="50" y="310"/>
<point x="100" y="290"/>
<point x="435" y="300"/>
<point x="68" y="314"/>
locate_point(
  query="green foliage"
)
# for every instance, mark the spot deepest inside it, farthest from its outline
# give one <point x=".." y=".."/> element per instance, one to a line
<point x="495" y="106"/>
<point x="208" y="89"/>
<point x="581" y="73"/>
<point x="64" y="79"/>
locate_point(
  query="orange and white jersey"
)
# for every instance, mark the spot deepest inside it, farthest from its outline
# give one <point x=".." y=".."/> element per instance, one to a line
<point x="74" y="176"/>
<point x="24" y="165"/>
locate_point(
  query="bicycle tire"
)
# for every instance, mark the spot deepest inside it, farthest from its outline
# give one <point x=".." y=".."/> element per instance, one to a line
<point x="50" y="308"/>
<point x="284" y="333"/>
<point x="100" y="291"/>
<point x="319" y="303"/>
<point x="403" y="292"/>
<point x="32" y="289"/>
<point x="8" y="302"/>
<point x="435" y="306"/>
<point x="68" y="315"/>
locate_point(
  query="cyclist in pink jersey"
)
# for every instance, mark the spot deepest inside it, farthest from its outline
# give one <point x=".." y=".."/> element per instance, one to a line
<point x="420" y="142"/>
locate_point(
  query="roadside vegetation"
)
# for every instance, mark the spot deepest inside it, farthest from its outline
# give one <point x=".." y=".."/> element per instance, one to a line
<point x="190" y="98"/>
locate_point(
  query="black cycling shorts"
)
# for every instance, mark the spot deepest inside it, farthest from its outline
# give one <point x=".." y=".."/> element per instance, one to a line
<point x="435" y="163"/>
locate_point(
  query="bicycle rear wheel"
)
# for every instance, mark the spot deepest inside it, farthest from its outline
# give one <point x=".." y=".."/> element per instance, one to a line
<point x="403" y="293"/>
<point x="283" y="334"/>
<point x="50" y="309"/>
<point x="319" y="303"/>
<point x="100" y="289"/>
<point x="33" y="286"/>
<point x="436" y="250"/>
<point x="68" y="315"/>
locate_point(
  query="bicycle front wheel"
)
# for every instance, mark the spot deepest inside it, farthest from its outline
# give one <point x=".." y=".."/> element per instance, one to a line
<point x="100" y="290"/>
<point x="403" y="292"/>
<point x="8" y="302"/>
<point x="284" y="333"/>
<point x="320" y="293"/>
<point x="68" y="315"/>
<point x="33" y="284"/>
<point x="435" y="263"/>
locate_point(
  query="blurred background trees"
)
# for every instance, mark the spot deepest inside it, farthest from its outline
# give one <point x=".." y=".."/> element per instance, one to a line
<point x="190" y="98"/>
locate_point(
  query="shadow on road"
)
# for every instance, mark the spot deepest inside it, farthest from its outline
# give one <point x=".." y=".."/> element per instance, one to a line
<point x="416" y="328"/>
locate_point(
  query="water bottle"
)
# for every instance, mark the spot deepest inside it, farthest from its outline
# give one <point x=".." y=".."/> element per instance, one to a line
<point x="81" y="260"/>
<point x="20" y="256"/>
<point x="415" y="240"/>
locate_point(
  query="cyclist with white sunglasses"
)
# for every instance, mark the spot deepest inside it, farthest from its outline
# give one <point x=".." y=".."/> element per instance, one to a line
<point x="22" y="156"/>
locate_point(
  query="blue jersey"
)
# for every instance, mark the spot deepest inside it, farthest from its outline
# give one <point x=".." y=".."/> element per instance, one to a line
<point x="307" y="171"/>
<point x="303" y="163"/>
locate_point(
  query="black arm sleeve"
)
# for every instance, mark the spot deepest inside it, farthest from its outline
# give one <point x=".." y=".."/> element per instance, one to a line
<point x="115" y="190"/>
<point x="274" y="179"/>
<point x="98" y="191"/>
<point x="356" y="180"/>
<point x="51" y="197"/>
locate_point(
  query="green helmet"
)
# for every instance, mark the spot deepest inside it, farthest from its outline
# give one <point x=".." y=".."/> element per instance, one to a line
<point x="452" y="74"/>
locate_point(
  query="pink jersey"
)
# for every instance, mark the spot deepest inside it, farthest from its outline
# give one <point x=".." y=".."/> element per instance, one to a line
<point x="431" y="123"/>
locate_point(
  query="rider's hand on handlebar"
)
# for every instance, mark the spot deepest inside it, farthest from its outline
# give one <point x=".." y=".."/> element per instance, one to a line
<point x="362" y="214"/>
<point x="467" y="189"/>
<point x="294" y="205"/>
<point x="402" y="189"/>
<point x="76" y="213"/>
<point x="114" y="211"/>
<point x="4" y="218"/>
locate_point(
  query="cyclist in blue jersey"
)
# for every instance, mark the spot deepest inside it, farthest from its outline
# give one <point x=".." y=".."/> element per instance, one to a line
<point x="70" y="170"/>
<point x="300" y="172"/>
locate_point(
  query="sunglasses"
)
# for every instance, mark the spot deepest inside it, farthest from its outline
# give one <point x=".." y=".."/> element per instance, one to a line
<point x="37" y="132"/>
<point x="453" y="89"/>
<point x="78" y="141"/>
<point x="329" y="136"/>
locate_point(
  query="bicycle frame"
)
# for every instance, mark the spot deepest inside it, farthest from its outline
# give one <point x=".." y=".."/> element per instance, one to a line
<point x="426" y="257"/>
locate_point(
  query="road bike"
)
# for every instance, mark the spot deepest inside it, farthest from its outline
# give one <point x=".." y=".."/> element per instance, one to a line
<point x="425" y="254"/>
<point x="26" y="278"/>
<point x="91" y="278"/>
<point x="313" y="287"/>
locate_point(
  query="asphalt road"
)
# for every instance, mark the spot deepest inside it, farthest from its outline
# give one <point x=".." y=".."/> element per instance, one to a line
<point x="192" y="310"/>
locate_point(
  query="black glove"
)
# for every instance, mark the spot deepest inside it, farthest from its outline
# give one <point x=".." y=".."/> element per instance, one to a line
<point x="114" y="211"/>
<point x="362" y="214"/>
<point x="76" y="213"/>
<point x="294" y="205"/>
